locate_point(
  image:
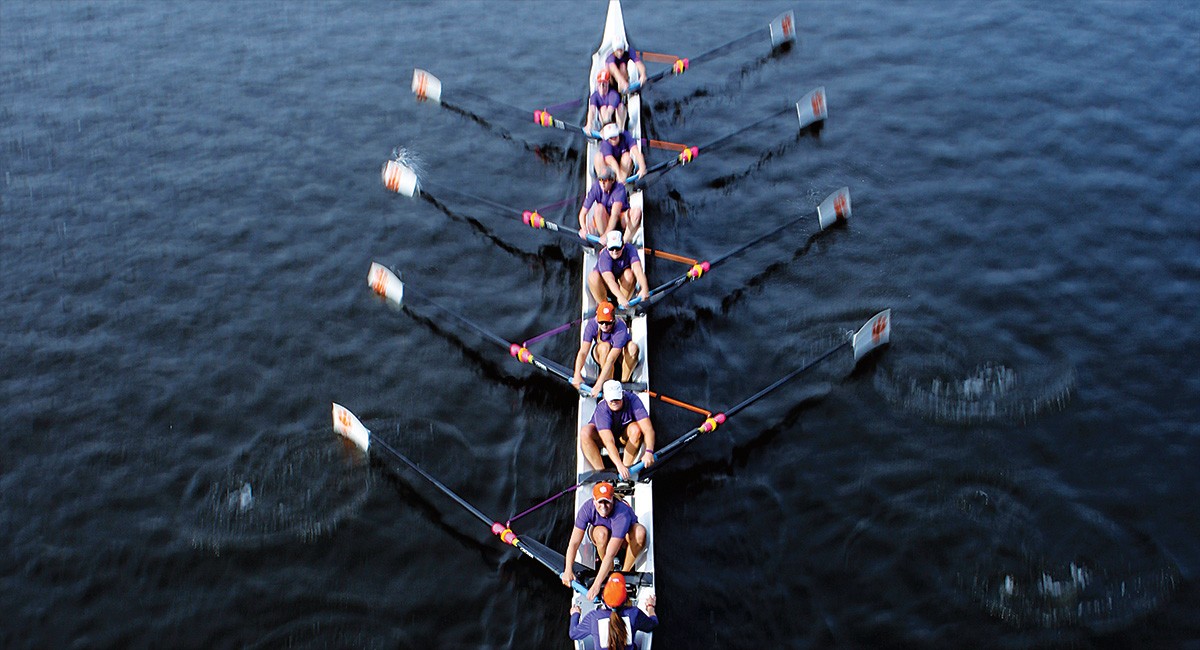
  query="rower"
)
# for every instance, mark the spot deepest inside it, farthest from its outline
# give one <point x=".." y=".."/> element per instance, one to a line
<point x="618" y="65"/>
<point x="609" y="340"/>
<point x="619" y="151"/>
<point x="620" y="424"/>
<point x="613" y="524"/>
<point x="604" y="104"/>
<point x="605" y="206"/>
<point x="623" y="621"/>
<point x="619" y="271"/>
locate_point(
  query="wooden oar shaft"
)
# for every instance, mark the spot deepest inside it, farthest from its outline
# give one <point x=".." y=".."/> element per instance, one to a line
<point x="655" y="57"/>
<point x="671" y="256"/>
<point x="680" y="404"/>
<point x="664" y="144"/>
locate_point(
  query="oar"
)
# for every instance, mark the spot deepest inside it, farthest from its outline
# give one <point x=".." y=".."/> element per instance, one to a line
<point x="401" y="178"/>
<point x="810" y="109"/>
<point x="348" y="425"/>
<point x="781" y="30"/>
<point x="835" y="207"/>
<point x="428" y="87"/>
<point x="874" y="333"/>
<point x="385" y="283"/>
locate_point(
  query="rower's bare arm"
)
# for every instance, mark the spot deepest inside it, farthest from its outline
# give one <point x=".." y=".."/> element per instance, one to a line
<point x="572" y="548"/>
<point x="618" y="76"/>
<point x="614" y="165"/>
<point x="610" y="362"/>
<point x="610" y="444"/>
<point x="614" y="218"/>
<point x="606" y="565"/>
<point x="639" y="158"/>
<point x="582" y="215"/>
<point x="610" y="281"/>
<point x="648" y="437"/>
<point x="580" y="359"/>
<point x="643" y="283"/>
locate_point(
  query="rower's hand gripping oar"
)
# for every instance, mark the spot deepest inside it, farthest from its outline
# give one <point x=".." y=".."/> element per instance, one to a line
<point x="349" y="426"/>
<point x="809" y="110"/>
<point x="385" y="283"/>
<point x="875" y="333"/>
<point x="401" y="179"/>
<point x="835" y="208"/>
<point x="781" y="30"/>
<point x="429" y="88"/>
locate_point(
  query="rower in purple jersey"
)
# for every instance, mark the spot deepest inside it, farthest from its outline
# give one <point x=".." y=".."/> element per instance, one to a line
<point x="608" y="339"/>
<point x="616" y="624"/>
<point x="620" y="152"/>
<point x="618" y="65"/>
<point x="619" y="271"/>
<point x="620" y="424"/>
<point x="604" y="105"/>
<point x="612" y="524"/>
<point x="605" y="206"/>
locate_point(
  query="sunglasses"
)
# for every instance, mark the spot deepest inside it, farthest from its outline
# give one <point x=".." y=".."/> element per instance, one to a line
<point x="604" y="323"/>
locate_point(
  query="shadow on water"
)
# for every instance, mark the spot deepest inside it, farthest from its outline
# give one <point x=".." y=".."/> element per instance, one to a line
<point x="673" y="108"/>
<point x="412" y="492"/>
<point x="766" y="274"/>
<point x="538" y="260"/>
<point x="548" y="154"/>
<point x="729" y="182"/>
<point x="536" y="389"/>
<point x="686" y="320"/>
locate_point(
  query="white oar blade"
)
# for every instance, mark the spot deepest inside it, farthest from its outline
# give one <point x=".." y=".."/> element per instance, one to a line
<point x="426" y="86"/>
<point x="812" y="108"/>
<point x="835" y="207"/>
<point x="385" y="283"/>
<point x="877" y="332"/>
<point x="399" y="178"/>
<point x="347" y="424"/>
<point x="783" y="29"/>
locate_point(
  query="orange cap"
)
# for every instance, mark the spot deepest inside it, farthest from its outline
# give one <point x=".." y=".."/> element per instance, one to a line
<point x="603" y="491"/>
<point x="614" y="590"/>
<point x="603" y="75"/>
<point x="604" y="312"/>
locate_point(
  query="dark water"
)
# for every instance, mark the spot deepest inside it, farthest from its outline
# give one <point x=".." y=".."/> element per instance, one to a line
<point x="191" y="200"/>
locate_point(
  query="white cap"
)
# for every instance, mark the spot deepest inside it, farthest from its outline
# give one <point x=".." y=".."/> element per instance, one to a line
<point x="613" y="390"/>
<point x="614" y="239"/>
<point x="610" y="130"/>
<point x="618" y="44"/>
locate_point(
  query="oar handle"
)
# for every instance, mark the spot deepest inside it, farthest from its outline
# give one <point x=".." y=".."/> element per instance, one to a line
<point x="544" y="118"/>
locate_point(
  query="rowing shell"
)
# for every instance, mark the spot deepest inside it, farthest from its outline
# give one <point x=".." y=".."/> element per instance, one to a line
<point x="641" y="499"/>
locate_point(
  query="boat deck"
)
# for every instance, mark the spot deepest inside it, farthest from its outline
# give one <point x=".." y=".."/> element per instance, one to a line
<point x="640" y="495"/>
